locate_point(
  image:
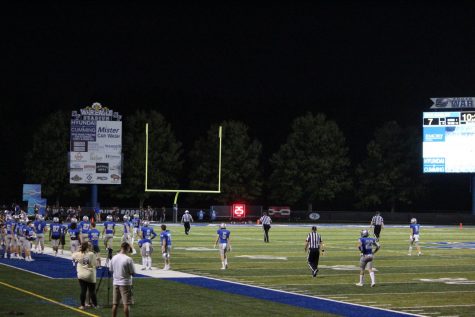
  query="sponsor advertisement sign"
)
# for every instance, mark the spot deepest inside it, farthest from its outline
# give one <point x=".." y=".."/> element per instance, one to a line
<point x="96" y="146"/>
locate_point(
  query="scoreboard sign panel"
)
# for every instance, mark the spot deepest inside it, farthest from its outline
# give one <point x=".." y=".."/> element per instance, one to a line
<point x="95" y="155"/>
<point x="448" y="142"/>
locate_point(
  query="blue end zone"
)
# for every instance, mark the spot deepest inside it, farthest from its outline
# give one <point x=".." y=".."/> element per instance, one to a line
<point x="50" y="266"/>
<point x="314" y="303"/>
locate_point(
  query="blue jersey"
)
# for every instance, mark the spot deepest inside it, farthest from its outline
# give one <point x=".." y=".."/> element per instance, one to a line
<point x="55" y="229"/>
<point x="167" y="237"/>
<point x="142" y="241"/>
<point x="84" y="227"/>
<point x="223" y="235"/>
<point x="19" y="229"/>
<point x="73" y="233"/>
<point x="109" y="226"/>
<point x="10" y="226"/>
<point x="136" y="222"/>
<point x="415" y="227"/>
<point x="40" y="226"/>
<point x="94" y="236"/>
<point x="127" y="227"/>
<point x="367" y="245"/>
<point x="148" y="233"/>
<point x="29" y="233"/>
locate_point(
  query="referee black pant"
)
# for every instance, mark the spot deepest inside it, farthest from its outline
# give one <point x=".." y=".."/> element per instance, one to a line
<point x="187" y="227"/>
<point x="377" y="230"/>
<point x="266" y="232"/>
<point x="313" y="257"/>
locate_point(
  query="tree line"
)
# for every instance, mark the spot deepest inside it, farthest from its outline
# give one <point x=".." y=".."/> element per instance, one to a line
<point x="311" y="169"/>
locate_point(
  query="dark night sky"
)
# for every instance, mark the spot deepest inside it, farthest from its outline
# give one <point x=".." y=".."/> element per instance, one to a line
<point x="360" y="62"/>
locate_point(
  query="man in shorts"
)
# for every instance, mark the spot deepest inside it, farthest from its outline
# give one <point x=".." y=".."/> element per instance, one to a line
<point x="365" y="246"/>
<point x="122" y="268"/>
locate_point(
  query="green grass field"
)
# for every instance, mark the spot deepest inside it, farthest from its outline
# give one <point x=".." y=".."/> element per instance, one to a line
<point x="441" y="282"/>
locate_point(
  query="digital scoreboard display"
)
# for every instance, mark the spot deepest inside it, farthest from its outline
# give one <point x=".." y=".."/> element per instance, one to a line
<point x="448" y="142"/>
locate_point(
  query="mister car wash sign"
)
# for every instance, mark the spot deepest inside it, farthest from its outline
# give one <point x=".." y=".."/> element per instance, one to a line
<point x="96" y="146"/>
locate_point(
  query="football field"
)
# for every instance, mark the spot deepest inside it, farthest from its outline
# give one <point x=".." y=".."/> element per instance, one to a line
<point x="440" y="282"/>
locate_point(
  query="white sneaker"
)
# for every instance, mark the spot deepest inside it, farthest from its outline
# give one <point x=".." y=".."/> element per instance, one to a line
<point x="419" y="254"/>
<point x="373" y="285"/>
<point x="144" y="268"/>
<point x="359" y="284"/>
<point x="223" y="268"/>
<point x="409" y="254"/>
<point x="150" y="268"/>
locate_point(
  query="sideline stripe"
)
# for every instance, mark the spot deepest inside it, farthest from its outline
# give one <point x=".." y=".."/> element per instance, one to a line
<point x="48" y="299"/>
<point x="300" y="300"/>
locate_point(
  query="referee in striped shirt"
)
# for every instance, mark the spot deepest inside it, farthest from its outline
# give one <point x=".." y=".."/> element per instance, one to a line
<point x="266" y="221"/>
<point x="313" y="245"/>
<point x="185" y="220"/>
<point x="377" y="222"/>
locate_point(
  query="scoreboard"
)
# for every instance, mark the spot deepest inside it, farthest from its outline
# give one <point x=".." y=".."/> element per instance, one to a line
<point x="448" y="142"/>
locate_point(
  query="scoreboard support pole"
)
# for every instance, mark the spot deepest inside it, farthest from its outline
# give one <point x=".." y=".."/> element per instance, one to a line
<point x="472" y="188"/>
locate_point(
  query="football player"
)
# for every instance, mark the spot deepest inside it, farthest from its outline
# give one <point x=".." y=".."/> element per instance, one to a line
<point x="365" y="245"/>
<point x="146" y="251"/>
<point x="166" y="244"/>
<point x="55" y="229"/>
<point x="136" y="231"/>
<point x="73" y="232"/>
<point x="127" y="230"/>
<point x="414" y="236"/>
<point x="84" y="227"/>
<point x="108" y="234"/>
<point x="40" y="227"/>
<point x="29" y="236"/>
<point x="224" y="244"/>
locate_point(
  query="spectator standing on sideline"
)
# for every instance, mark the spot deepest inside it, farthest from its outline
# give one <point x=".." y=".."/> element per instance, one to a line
<point x="186" y="220"/>
<point x="265" y="220"/>
<point x="86" y="271"/>
<point x="122" y="268"/>
<point x="314" y="245"/>
<point x="365" y="245"/>
<point x="377" y="222"/>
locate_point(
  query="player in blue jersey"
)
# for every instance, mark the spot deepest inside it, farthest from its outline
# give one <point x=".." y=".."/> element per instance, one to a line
<point x="55" y="229"/>
<point x="74" y="233"/>
<point x="147" y="231"/>
<point x="414" y="236"/>
<point x="94" y="236"/>
<point x="224" y="244"/>
<point x="146" y="251"/>
<point x="365" y="245"/>
<point x="29" y="236"/>
<point x="40" y="228"/>
<point x="108" y="235"/>
<point x="9" y="236"/>
<point x="166" y="244"/>
<point x="127" y="230"/>
<point x="20" y="237"/>
<point x="135" y="230"/>
<point x="84" y="227"/>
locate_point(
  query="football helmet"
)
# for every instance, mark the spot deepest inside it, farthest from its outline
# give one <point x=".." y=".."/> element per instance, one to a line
<point x="126" y="218"/>
<point x="413" y="220"/>
<point x="145" y="223"/>
<point x="55" y="219"/>
<point x="364" y="233"/>
<point x="223" y="225"/>
<point x="85" y="218"/>
<point x="136" y="216"/>
<point x="109" y="218"/>
<point x="74" y="220"/>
